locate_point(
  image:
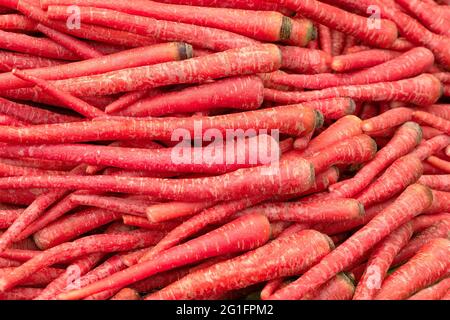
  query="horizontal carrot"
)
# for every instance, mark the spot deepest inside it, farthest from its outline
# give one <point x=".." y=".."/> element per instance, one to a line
<point x="430" y="132"/>
<point x="143" y="223"/>
<point x="343" y="21"/>
<point x="380" y="261"/>
<point x="244" y="93"/>
<point x="432" y="146"/>
<point x="19" y="254"/>
<point x="421" y="90"/>
<point x="440" y="110"/>
<point x="303" y="60"/>
<point x="277" y="259"/>
<point x="147" y="55"/>
<point x="406" y="138"/>
<point x="324" y="38"/>
<point x="333" y="109"/>
<point x="410" y="203"/>
<point x="21" y="293"/>
<point x="7" y="217"/>
<point x="432" y="121"/>
<point x="439" y="163"/>
<point x="437" y="182"/>
<point x="233" y="237"/>
<point x="388" y="119"/>
<point x="11" y="60"/>
<point x="425" y="221"/>
<point x="362" y="59"/>
<point x="126" y="294"/>
<point x="425" y="268"/>
<point x="16" y="22"/>
<point x="11" y="121"/>
<point x="173" y="210"/>
<point x="341" y="287"/>
<point x="434" y="292"/>
<point x="72" y="226"/>
<point x="7" y="263"/>
<point x="39" y="278"/>
<point x="80" y="247"/>
<point x="123" y="205"/>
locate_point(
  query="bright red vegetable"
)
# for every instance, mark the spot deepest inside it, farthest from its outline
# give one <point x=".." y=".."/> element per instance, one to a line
<point x="362" y="59"/>
<point x="434" y="292"/>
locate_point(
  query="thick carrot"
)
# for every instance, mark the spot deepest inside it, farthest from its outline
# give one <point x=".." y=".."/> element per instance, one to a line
<point x="362" y="59"/>
<point x="357" y="149"/>
<point x="203" y="37"/>
<point x="437" y="182"/>
<point x="123" y="205"/>
<point x="127" y="294"/>
<point x="260" y="25"/>
<point x="440" y="229"/>
<point x="380" y="261"/>
<point x="7" y="217"/>
<point x="19" y="197"/>
<point x="7" y="263"/>
<point x="440" y="110"/>
<point x="80" y="247"/>
<point x="16" y="22"/>
<point x="10" y="60"/>
<point x="173" y="210"/>
<point x="421" y="90"/>
<point x="331" y="211"/>
<point x="432" y="19"/>
<point x="295" y="120"/>
<point x="409" y="64"/>
<point x="410" y="203"/>
<point x="19" y="254"/>
<point x="41" y="47"/>
<point x="39" y="278"/>
<point x="388" y="119"/>
<point x="78" y="47"/>
<point x="432" y="121"/>
<point x="8" y="170"/>
<point x="143" y="223"/>
<point x="406" y="138"/>
<point x="137" y="57"/>
<point x="439" y="163"/>
<point x="434" y="292"/>
<point x="244" y="93"/>
<point x="65" y="98"/>
<point x="21" y="293"/>
<point x="432" y="146"/>
<point x="303" y="60"/>
<point x="277" y="259"/>
<point x="425" y="268"/>
<point x="11" y="121"/>
<point x="324" y="38"/>
<point x="243" y="234"/>
<point x="344" y="21"/>
<point x="72" y="226"/>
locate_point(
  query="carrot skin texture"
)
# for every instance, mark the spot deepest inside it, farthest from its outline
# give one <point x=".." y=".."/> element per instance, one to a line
<point x="8" y="263"/>
<point x="434" y="292"/>
<point x="137" y="57"/>
<point x="404" y="141"/>
<point x="7" y="217"/>
<point x="380" y="262"/>
<point x="227" y="239"/>
<point x="388" y="119"/>
<point x="80" y="247"/>
<point x="11" y="60"/>
<point x="245" y="93"/>
<point x="274" y="260"/>
<point x="341" y="287"/>
<point x="303" y="60"/>
<point x="39" y="278"/>
<point x="21" y="293"/>
<point x="425" y="221"/>
<point x="432" y="121"/>
<point x="127" y="294"/>
<point x="439" y="163"/>
<point x="16" y="22"/>
<point x="362" y="59"/>
<point x="399" y="212"/>
<point x="172" y="210"/>
<point x="437" y="182"/>
<point x="432" y="146"/>
<point x="425" y="268"/>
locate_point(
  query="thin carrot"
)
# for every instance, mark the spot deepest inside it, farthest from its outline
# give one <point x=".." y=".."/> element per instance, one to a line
<point x="7" y="263"/>
<point x="362" y="59"/>
<point x="233" y="237"/>
<point x="425" y="268"/>
<point x="425" y="221"/>
<point x="7" y="217"/>
<point x="143" y="223"/>
<point x="380" y="261"/>
<point x="173" y="210"/>
<point x="126" y="294"/>
<point x="21" y="293"/>
<point x="432" y="146"/>
<point x="388" y="119"/>
<point x="440" y="110"/>
<point x="434" y="292"/>
<point x="439" y="163"/>
<point x="129" y="99"/>
<point x="65" y="98"/>
<point x="432" y="121"/>
<point x="16" y="22"/>
<point x="39" y="278"/>
<point x="437" y="182"/>
<point x="341" y="287"/>
<point x="11" y="60"/>
<point x="303" y="60"/>
<point x="410" y="203"/>
<point x="430" y="132"/>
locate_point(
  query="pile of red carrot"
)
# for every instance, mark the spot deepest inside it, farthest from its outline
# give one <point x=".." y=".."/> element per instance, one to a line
<point x="290" y="149"/>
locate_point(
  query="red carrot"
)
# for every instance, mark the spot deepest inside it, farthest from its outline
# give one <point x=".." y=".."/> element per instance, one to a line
<point x="65" y="98"/>
<point x="8" y="263"/>
<point x="260" y="25"/>
<point x="10" y="60"/>
<point x="295" y="120"/>
<point x="127" y="294"/>
<point x="432" y="146"/>
<point x="72" y="226"/>
<point x="362" y="59"/>
<point x="270" y="287"/>
<point x="403" y="172"/>
<point x="433" y="20"/>
<point x="172" y="210"/>
<point x="439" y="230"/>
<point x="277" y="259"/>
<point x="41" y="47"/>
<point x="410" y="203"/>
<point x="7" y="217"/>
<point x="21" y="293"/>
<point x="406" y="138"/>
<point x="357" y="149"/>
<point x="7" y="170"/>
<point x="333" y="109"/>
<point x="380" y="261"/>
<point x="80" y="247"/>
<point x="243" y="234"/>
<point x="148" y="55"/>
<point x="432" y="121"/>
<point x="19" y="254"/>
<point x="437" y="182"/>
<point x="324" y="38"/>
<point x="331" y="211"/>
<point x="78" y="47"/>
<point x="425" y="268"/>
<point x="409" y="64"/>
<point x="344" y="21"/>
<point x="142" y="222"/>
<point x="11" y="121"/>
<point x="341" y="287"/>
<point x="203" y="37"/>
<point x="422" y="90"/>
<point x="16" y="22"/>
<point x="434" y="292"/>
<point x="244" y="93"/>
<point x="425" y="221"/>
<point x="388" y="119"/>
<point x="439" y="163"/>
<point x="302" y="60"/>
<point x="129" y="99"/>
<point x="39" y="278"/>
<point x="430" y="132"/>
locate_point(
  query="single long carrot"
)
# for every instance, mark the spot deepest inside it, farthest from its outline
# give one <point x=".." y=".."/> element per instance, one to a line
<point x="324" y="38"/>
<point x="21" y="293"/>
<point x="434" y="292"/>
<point x="388" y="119"/>
<point x="11" y="60"/>
<point x="277" y="259"/>
<point x="7" y="217"/>
<point x="16" y="22"/>
<point x="123" y="205"/>
<point x="425" y="268"/>
<point x="233" y="237"/>
<point x="432" y="121"/>
<point x="437" y="182"/>
<point x="80" y="247"/>
<point x="432" y="146"/>
<point x="174" y="210"/>
<point x="440" y="110"/>
<point x="380" y="261"/>
<point x="39" y="278"/>
<point x="439" y="163"/>
<point x="425" y="221"/>
<point x="7" y="263"/>
<point x="304" y="60"/>
<point x="362" y="59"/>
<point x="411" y="202"/>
